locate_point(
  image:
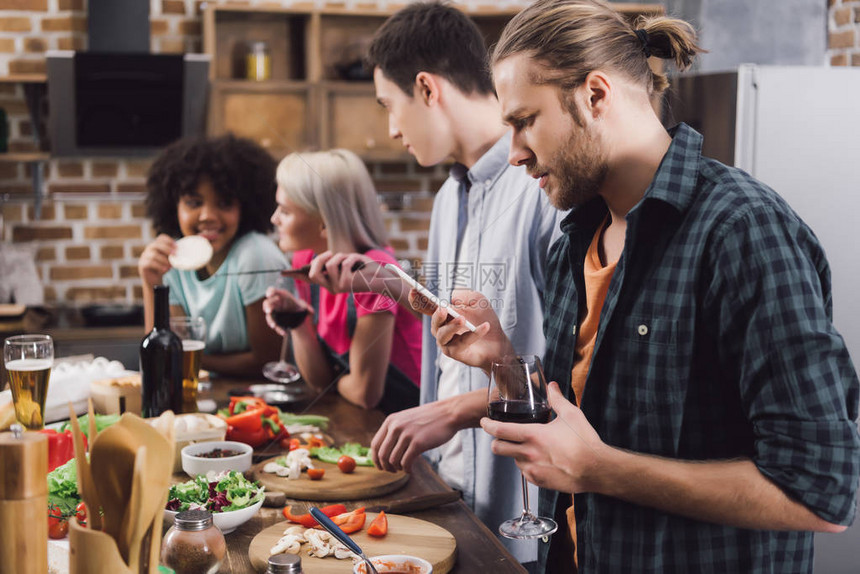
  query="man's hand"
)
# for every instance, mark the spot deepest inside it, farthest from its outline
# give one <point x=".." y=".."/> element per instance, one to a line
<point x="563" y="455"/>
<point x="153" y="263"/>
<point x="478" y="349"/>
<point x="281" y="300"/>
<point x="404" y="435"/>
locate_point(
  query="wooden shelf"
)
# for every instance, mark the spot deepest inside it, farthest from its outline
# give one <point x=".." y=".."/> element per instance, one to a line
<point x="310" y="102"/>
<point x="24" y="79"/>
<point x="27" y="157"/>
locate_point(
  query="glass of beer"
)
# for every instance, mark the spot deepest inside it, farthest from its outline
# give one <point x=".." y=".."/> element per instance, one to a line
<point x="28" y="360"/>
<point x="192" y="332"/>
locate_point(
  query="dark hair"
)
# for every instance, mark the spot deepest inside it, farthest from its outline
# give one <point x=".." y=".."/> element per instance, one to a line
<point x="431" y="37"/>
<point x="237" y="168"/>
<point x="570" y="38"/>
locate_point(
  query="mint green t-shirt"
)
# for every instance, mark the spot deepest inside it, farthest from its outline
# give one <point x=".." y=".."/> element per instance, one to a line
<point x="221" y="299"/>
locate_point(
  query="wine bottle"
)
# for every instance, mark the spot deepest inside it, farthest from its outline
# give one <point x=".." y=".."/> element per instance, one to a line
<point x="161" y="362"/>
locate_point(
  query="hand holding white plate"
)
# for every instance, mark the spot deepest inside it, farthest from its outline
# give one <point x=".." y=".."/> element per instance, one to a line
<point x="192" y="253"/>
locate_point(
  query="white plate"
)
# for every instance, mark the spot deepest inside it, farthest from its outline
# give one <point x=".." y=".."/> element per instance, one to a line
<point x="192" y="252"/>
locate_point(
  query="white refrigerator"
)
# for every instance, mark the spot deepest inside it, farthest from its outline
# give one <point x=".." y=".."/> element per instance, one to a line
<point x="797" y="129"/>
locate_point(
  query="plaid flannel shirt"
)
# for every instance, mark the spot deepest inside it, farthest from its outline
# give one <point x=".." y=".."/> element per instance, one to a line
<point x="715" y="341"/>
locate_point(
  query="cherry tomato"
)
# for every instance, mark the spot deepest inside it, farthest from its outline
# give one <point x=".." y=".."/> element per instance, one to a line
<point x="81" y="513"/>
<point x="316" y="473"/>
<point x="58" y="525"/>
<point x="346" y="464"/>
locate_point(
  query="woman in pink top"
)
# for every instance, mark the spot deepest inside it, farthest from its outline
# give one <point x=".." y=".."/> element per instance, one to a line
<point x="327" y="202"/>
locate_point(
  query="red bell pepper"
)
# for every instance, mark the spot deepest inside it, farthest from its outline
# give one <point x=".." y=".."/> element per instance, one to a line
<point x="379" y="525"/>
<point x="61" y="447"/>
<point x="253" y="438"/>
<point x="309" y="521"/>
<point x="351" y="522"/>
<point x="241" y="404"/>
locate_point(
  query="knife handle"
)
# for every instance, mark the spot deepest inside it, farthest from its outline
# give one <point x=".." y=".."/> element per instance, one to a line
<point x="335" y="530"/>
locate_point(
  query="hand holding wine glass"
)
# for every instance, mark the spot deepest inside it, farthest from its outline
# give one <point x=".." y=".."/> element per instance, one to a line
<point x="518" y="394"/>
<point x="283" y="313"/>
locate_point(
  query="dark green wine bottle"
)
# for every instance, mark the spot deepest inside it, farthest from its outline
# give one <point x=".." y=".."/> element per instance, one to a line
<point x="161" y="362"/>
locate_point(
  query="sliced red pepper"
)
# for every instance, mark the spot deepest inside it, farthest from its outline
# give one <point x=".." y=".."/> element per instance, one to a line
<point x="249" y="420"/>
<point x="309" y="521"/>
<point x="272" y="426"/>
<point x="241" y="404"/>
<point x="351" y="522"/>
<point x="295" y="443"/>
<point x="379" y="525"/>
<point x="253" y="438"/>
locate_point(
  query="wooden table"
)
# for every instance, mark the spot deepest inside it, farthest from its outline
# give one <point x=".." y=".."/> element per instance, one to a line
<point x="478" y="549"/>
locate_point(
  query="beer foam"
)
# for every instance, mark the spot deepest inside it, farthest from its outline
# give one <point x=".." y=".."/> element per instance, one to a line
<point x="188" y="345"/>
<point x="192" y="253"/>
<point x="29" y="364"/>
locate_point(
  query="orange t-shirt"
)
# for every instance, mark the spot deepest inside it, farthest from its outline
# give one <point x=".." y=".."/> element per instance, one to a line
<point x="597" y="279"/>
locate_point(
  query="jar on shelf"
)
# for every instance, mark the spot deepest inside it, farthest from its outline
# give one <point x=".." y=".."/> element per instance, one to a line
<point x="258" y="63"/>
<point x="193" y="545"/>
<point x="284" y="564"/>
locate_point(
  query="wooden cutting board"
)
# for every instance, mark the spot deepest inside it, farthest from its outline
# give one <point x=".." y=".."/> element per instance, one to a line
<point x="364" y="482"/>
<point x="406" y="535"/>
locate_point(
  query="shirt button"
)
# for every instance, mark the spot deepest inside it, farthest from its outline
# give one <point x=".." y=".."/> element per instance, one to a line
<point x="487" y="182"/>
<point x="643" y="330"/>
<point x="573" y="331"/>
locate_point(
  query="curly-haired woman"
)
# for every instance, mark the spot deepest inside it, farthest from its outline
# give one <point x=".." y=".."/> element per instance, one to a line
<point x="222" y="189"/>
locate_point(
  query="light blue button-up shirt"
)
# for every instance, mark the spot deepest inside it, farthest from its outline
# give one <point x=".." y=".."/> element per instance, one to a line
<point x="511" y="226"/>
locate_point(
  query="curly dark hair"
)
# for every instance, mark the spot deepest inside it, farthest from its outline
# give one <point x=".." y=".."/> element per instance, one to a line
<point x="238" y="169"/>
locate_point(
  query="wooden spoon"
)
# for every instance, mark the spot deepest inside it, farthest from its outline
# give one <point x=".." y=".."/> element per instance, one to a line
<point x="136" y="522"/>
<point x="85" y="477"/>
<point x="112" y="458"/>
<point x="157" y="472"/>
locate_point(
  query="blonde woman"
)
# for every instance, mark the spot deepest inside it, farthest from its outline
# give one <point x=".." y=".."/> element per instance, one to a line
<point x="327" y="203"/>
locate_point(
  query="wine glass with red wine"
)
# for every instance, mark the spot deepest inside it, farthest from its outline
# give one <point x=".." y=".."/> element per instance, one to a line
<point x="517" y="394"/>
<point x="282" y="371"/>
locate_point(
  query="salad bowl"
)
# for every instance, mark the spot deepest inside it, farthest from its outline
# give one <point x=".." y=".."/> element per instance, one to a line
<point x="230" y="497"/>
<point x="228" y="521"/>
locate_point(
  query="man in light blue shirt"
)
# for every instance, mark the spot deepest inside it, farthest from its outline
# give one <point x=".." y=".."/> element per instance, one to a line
<point x="490" y="230"/>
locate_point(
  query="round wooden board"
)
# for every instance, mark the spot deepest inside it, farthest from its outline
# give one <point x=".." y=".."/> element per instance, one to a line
<point x="406" y="535"/>
<point x="364" y="482"/>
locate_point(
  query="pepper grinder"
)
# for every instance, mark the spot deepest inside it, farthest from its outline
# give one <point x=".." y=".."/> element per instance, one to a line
<point x="23" y="502"/>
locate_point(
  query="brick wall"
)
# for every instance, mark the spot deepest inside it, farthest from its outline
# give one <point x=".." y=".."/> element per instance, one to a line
<point x="843" y="25"/>
<point x="92" y="228"/>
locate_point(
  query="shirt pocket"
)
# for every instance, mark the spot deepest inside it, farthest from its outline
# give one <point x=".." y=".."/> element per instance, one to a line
<point x="648" y="365"/>
<point x="497" y="282"/>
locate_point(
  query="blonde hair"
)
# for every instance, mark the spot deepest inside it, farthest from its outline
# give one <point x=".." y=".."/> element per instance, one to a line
<point x="336" y="186"/>
<point x="568" y="39"/>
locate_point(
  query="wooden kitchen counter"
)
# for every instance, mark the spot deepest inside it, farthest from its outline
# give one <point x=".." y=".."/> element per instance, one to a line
<point x="477" y="548"/>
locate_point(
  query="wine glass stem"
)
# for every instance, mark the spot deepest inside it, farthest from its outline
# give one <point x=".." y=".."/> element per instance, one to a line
<point x="284" y="344"/>
<point x="526" y="510"/>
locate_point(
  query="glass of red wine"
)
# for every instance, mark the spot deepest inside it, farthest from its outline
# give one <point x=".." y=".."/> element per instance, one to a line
<point x="282" y="371"/>
<point x="517" y="394"/>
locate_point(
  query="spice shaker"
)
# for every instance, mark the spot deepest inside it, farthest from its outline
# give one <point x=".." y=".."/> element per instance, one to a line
<point x="193" y="545"/>
<point x="258" y="63"/>
<point x="284" y="564"/>
<point x="23" y="502"/>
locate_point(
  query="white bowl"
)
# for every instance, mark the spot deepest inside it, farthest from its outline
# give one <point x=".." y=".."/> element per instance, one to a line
<point x="226" y="522"/>
<point x="194" y="464"/>
<point x="395" y="563"/>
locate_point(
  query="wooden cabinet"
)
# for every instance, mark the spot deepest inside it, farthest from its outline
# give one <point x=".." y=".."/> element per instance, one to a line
<point x="318" y="95"/>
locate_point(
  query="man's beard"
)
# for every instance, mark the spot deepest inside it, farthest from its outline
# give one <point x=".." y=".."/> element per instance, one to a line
<point x="579" y="170"/>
